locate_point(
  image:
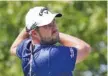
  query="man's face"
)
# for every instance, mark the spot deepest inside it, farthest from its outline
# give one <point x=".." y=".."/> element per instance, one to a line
<point x="49" y="33"/>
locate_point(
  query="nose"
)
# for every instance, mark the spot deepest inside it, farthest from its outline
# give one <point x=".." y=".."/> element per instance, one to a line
<point x="54" y="27"/>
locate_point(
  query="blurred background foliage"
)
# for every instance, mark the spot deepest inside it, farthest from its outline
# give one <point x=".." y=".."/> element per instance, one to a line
<point x="86" y="20"/>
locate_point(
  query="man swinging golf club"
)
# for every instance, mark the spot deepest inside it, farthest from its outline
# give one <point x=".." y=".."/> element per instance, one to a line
<point x="36" y="48"/>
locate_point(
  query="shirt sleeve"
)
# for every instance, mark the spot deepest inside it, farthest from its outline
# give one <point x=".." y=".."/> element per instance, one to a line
<point x="20" y="49"/>
<point x="73" y="54"/>
<point x="66" y="55"/>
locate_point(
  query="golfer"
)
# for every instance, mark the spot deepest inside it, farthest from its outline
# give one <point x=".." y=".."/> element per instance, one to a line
<point x="37" y="49"/>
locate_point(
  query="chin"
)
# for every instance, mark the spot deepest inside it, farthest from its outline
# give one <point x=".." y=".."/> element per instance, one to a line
<point x="51" y="42"/>
<point x="55" y="36"/>
<point x="54" y="41"/>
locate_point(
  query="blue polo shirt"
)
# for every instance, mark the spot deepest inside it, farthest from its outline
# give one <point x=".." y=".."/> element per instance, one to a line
<point x="46" y="60"/>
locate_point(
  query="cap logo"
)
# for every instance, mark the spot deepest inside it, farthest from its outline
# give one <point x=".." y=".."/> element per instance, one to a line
<point x="44" y="10"/>
<point x="34" y="26"/>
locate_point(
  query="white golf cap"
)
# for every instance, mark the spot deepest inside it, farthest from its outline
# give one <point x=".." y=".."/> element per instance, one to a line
<point x="39" y="16"/>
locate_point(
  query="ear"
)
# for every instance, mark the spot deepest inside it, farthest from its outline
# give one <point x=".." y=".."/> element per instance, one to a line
<point x="34" y="33"/>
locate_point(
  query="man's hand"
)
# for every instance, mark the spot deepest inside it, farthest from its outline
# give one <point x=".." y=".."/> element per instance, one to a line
<point x="82" y="47"/>
<point x="23" y="35"/>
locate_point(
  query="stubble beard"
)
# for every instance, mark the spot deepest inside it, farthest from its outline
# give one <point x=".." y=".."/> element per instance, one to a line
<point x="49" y="41"/>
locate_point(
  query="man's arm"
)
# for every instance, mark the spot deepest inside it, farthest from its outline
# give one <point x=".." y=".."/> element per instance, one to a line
<point x="23" y="35"/>
<point x="82" y="47"/>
